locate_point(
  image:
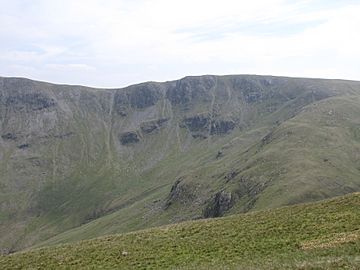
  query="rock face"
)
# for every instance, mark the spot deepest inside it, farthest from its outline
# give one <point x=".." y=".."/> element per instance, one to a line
<point x="221" y="202"/>
<point x="23" y="146"/>
<point x="181" y="193"/>
<point x="198" y="125"/>
<point x="9" y="136"/>
<point x="152" y="126"/>
<point x="231" y="175"/>
<point x="222" y="127"/>
<point x="121" y="103"/>
<point x="202" y="125"/>
<point x="129" y="138"/>
<point x="191" y="90"/>
<point x="144" y="95"/>
<point x="29" y="102"/>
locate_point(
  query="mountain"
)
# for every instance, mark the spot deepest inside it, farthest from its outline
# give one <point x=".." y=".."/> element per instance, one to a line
<point x="79" y="162"/>
<point x="323" y="235"/>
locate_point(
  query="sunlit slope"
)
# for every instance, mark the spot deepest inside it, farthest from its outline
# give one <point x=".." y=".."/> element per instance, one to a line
<point x="323" y="235"/>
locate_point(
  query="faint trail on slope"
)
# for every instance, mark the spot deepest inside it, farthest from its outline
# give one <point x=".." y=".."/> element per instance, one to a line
<point x="213" y="89"/>
<point x="84" y="149"/>
<point x="163" y="104"/>
<point x="178" y="138"/>
<point x="54" y="167"/>
<point x="109" y="137"/>
<point x="229" y="93"/>
<point x="173" y="120"/>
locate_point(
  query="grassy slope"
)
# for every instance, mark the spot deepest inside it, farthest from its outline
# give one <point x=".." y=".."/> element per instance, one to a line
<point x="323" y="235"/>
<point x="317" y="146"/>
<point x="147" y="210"/>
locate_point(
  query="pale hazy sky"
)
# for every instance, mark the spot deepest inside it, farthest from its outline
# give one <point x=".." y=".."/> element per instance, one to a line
<point x="115" y="43"/>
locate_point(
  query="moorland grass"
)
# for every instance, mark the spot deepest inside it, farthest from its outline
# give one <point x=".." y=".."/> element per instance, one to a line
<point x="323" y="235"/>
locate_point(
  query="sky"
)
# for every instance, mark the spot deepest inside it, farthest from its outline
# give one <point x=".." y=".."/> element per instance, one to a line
<point x="116" y="43"/>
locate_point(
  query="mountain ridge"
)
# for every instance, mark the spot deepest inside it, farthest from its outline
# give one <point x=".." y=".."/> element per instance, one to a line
<point x="173" y="80"/>
<point x="116" y="160"/>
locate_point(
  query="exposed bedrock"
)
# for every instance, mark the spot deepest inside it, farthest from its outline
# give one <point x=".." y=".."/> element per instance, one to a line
<point x="137" y="97"/>
<point x="144" y="95"/>
<point x="222" y="127"/>
<point x="129" y="137"/>
<point x="9" y="136"/>
<point x="201" y="125"/>
<point x="153" y="126"/>
<point x="219" y="204"/>
<point x="29" y="102"/>
<point x="191" y="89"/>
<point x="181" y="192"/>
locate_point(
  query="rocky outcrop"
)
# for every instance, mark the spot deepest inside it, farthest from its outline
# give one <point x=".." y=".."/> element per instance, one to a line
<point x="9" y="136"/>
<point x="197" y="123"/>
<point x="251" y="90"/>
<point x="64" y="135"/>
<point x="231" y="175"/>
<point x="267" y="139"/>
<point x="29" y="102"/>
<point x="152" y="126"/>
<point x="130" y="137"/>
<point x="121" y="103"/>
<point x="247" y="189"/>
<point x="144" y="95"/>
<point x="191" y="89"/>
<point x="220" y="127"/>
<point x="219" y="154"/>
<point x="180" y="192"/>
<point x="137" y="97"/>
<point x="219" y="204"/>
<point x="24" y="146"/>
<point x="250" y="187"/>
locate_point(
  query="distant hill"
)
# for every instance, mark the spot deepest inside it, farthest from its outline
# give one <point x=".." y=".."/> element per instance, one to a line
<point x="79" y="162"/>
<point x="324" y="235"/>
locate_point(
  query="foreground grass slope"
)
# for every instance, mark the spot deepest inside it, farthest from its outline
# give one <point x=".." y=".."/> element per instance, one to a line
<point x="323" y="235"/>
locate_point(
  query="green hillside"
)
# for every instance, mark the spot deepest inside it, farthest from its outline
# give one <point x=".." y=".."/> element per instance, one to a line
<point x="323" y="235"/>
<point x="78" y="162"/>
